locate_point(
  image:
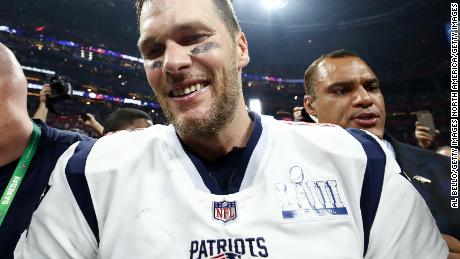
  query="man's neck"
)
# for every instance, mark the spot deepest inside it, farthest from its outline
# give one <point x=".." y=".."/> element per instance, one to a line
<point x="14" y="139"/>
<point x="235" y="134"/>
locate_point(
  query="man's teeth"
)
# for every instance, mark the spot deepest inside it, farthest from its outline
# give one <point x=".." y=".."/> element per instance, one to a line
<point x="187" y="90"/>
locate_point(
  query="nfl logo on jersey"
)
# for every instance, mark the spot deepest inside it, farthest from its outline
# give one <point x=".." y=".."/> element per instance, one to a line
<point x="228" y="255"/>
<point x="225" y="210"/>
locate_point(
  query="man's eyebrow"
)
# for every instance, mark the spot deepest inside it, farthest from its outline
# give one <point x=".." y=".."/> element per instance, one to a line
<point x="144" y="40"/>
<point x="351" y="82"/>
<point x="178" y="28"/>
<point x="372" y="80"/>
<point x="188" y="26"/>
<point x="341" y="83"/>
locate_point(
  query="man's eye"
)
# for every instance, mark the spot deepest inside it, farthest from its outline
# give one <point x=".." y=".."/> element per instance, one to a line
<point x="193" y="39"/>
<point x="374" y="87"/>
<point x="153" y="53"/>
<point x="339" y="91"/>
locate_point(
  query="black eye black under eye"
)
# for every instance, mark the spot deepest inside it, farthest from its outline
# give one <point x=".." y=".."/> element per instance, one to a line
<point x="204" y="48"/>
<point x="156" y="64"/>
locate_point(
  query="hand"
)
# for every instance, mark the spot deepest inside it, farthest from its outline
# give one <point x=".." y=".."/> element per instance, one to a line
<point x="90" y="121"/>
<point x="424" y="138"/>
<point x="46" y="90"/>
<point x="454" y="246"/>
<point x="93" y="123"/>
<point x="297" y="113"/>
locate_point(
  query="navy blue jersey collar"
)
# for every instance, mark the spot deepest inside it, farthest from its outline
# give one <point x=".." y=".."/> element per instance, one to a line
<point x="228" y="166"/>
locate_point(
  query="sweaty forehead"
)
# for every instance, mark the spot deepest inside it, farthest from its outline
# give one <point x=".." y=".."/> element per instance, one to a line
<point x="343" y="69"/>
<point x="156" y="7"/>
<point x="179" y="8"/>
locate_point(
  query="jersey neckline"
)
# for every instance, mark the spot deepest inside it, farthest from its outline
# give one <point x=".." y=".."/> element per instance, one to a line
<point x="188" y="177"/>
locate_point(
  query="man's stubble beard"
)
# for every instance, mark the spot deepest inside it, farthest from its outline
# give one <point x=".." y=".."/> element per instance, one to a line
<point x="221" y="112"/>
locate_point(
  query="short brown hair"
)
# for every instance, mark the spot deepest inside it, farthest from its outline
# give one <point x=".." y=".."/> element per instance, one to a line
<point x="310" y="74"/>
<point x="223" y="7"/>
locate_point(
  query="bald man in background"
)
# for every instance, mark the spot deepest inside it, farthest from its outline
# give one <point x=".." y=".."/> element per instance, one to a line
<point x="342" y="89"/>
<point x="24" y="174"/>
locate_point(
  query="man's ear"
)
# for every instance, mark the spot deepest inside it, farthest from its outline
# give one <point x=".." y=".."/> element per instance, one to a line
<point x="242" y="48"/>
<point x="309" y="104"/>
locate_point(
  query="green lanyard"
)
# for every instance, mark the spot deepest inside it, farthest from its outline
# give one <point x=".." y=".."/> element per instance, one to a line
<point x="19" y="172"/>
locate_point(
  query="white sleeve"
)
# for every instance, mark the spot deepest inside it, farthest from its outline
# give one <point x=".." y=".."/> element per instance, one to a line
<point x="58" y="228"/>
<point x="403" y="226"/>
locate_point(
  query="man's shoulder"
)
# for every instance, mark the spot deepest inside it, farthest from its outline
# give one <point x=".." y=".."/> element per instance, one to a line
<point x="423" y="155"/>
<point x="135" y="141"/>
<point x="417" y="161"/>
<point x="302" y="128"/>
<point x="317" y="131"/>
<point x="57" y="136"/>
<point x="323" y="138"/>
<point x="153" y="132"/>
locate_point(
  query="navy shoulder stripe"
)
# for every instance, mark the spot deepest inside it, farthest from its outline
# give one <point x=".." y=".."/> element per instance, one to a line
<point x="75" y="173"/>
<point x="373" y="180"/>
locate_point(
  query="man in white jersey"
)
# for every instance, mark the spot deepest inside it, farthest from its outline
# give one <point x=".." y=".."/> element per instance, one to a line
<point x="219" y="182"/>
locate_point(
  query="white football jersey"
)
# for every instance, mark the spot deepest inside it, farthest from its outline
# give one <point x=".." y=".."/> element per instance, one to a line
<point x="308" y="191"/>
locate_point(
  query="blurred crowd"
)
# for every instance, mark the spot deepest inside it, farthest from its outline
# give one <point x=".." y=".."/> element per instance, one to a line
<point x="76" y="89"/>
<point x="115" y="76"/>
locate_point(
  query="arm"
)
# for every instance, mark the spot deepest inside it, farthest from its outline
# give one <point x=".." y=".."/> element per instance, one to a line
<point x="93" y="124"/>
<point x="58" y="228"/>
<point x="42" y="112"/>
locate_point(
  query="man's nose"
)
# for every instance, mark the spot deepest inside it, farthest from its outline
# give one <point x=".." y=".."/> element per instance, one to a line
<point x="177" y="59"/>
<point x="362" y="98"/>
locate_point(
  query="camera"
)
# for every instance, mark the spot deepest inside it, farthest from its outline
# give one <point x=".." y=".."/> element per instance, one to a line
<point x="60" y="90"/>
<point x="306" y="117"/>
<point x="84" y="116"/>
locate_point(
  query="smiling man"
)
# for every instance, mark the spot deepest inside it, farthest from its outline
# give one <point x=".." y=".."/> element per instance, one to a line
<point x="221" y="182"/>
<point x="194" y="64"/>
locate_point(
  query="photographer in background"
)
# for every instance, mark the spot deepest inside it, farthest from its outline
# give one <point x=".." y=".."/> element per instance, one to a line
<point x="29" y="151"/>
<point x="42" y="112"/>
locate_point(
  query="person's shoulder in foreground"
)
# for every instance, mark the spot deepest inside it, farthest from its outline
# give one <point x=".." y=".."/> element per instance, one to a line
<point x="52" y="144"/>
<point x="308" y="178"/>
<point x="22" y="181"/>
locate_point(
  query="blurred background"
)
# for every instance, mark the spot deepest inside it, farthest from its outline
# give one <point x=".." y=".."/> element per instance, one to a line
<point x="92" y="45"/>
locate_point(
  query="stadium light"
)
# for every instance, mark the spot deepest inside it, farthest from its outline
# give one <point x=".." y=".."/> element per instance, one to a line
<point x="274" y="4"/>
<point x="255" y="105"/>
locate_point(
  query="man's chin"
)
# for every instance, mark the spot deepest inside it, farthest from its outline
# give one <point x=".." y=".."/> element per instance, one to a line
<point x="190" y="115"/>
<point x="194" y="124"/>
